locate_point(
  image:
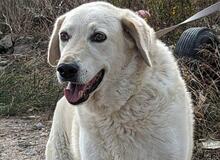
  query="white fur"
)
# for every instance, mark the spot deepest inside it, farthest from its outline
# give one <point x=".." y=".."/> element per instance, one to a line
<point x="141" y="111"/>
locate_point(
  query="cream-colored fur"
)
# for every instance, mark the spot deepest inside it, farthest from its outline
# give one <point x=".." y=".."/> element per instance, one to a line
<point x="141" y="110"/>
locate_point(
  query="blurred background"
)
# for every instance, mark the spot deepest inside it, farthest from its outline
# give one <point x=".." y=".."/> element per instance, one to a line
<point x="28" y="86"/>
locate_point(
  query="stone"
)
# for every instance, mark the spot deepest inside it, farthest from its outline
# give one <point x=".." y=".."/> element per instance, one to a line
<point x="5" y="43"/>
<point x="38" y="126"/>
<point x="22" y="49"/>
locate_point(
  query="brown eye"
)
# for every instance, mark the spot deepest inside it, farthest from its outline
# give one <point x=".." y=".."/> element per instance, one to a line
<point x="64" y="36"/>
<point x="98" y="37"/>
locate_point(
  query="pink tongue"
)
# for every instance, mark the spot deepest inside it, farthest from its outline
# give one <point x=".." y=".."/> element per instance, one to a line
<point x="72" y="93"/>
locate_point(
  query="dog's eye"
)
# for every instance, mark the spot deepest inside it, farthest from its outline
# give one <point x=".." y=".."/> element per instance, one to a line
<point x="64" y="36"/>
<point x="98" y="37"/>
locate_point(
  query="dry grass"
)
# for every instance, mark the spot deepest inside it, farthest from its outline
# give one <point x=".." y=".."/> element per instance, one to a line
<point x="202" y="76"/>
<point x="24" y="16"/>
<point x="203" y="80"/>
<point x="27" y="85"/>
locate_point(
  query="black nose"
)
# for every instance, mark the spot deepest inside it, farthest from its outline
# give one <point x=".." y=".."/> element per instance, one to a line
<point x="68" y="72"/>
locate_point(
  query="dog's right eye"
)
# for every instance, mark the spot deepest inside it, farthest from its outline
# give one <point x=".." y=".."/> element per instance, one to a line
<point x="64" y="36"/>
<point x="98" y="37"/>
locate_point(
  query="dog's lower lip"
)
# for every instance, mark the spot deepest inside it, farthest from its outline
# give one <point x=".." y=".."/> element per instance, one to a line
<point x="78" y="93"/>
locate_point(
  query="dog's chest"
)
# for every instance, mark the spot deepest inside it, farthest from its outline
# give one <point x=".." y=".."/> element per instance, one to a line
<point x="115" y="141"/>
<point x="135" y="133"/>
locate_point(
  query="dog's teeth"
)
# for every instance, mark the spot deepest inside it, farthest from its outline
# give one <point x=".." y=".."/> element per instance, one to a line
<point x="68" y="86"/>
<point x="80" y="93"/>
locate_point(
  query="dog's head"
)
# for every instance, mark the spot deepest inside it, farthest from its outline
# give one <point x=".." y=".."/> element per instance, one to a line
<point x="93" y="42"/>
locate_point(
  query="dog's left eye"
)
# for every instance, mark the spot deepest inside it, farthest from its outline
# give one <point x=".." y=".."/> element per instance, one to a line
<point x="98" y="37"/>
<point x="64" y="36"/>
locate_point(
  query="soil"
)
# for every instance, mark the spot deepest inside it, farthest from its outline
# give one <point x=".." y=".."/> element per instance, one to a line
<point x="24" y="138"/>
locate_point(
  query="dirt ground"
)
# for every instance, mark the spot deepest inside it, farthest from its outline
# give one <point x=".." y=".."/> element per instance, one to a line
<point x="24" y="138"/>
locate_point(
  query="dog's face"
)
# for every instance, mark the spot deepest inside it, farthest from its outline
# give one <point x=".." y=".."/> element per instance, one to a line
<point x="92" y="43"/>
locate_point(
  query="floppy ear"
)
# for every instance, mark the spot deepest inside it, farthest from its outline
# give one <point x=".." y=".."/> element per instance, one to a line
<point x="140" y="32"/>
<point x="53" y="48"/>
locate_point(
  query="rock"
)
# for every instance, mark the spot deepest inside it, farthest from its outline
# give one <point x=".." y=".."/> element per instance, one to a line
<point x="30" y="117"/>
<point x="22" y="49"/>
<point x="211" y="144"/>
<point x="5" y="28"/>
<point x="38" y="126"/>
<point x="5" y="43"/>
<point x="44" y="134"/>
<point x="23" y="45"/>
<point x="30" y="152"/>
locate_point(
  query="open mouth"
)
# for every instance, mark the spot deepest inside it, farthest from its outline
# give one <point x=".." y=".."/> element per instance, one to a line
<point x="78" y="93"/>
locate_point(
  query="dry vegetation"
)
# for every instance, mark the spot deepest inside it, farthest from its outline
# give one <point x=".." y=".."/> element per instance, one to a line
<point x="202" y="76"/>
<point x="28" y="84"/>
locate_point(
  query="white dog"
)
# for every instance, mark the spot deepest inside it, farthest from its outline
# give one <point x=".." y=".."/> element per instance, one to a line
<point x="125" y="98"/>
